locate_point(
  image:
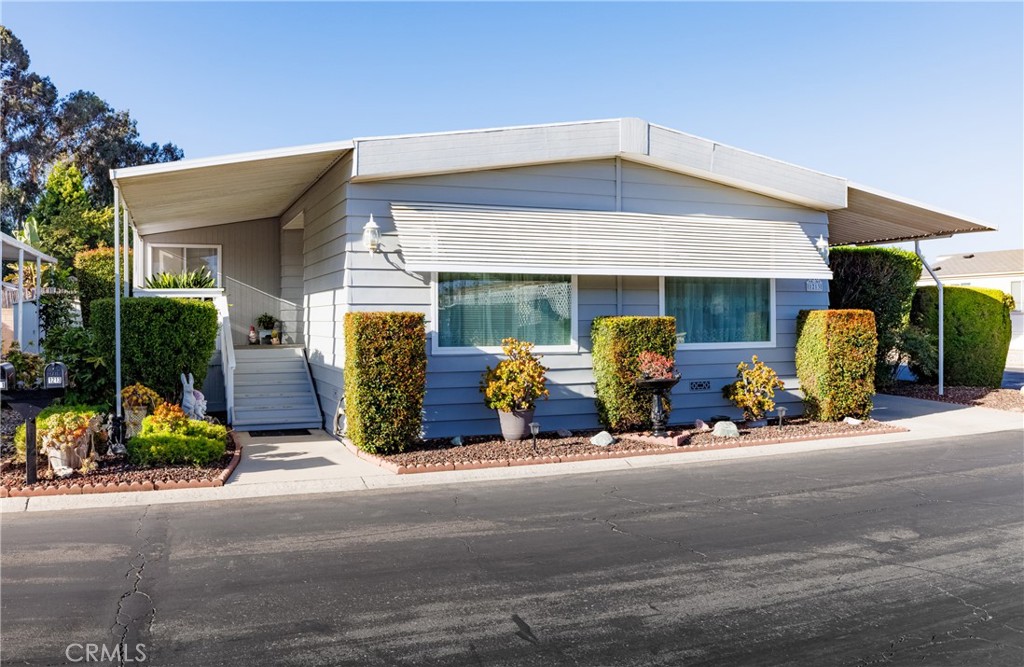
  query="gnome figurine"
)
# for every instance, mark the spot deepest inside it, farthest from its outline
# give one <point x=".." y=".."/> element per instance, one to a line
<point x="253" y="338"/>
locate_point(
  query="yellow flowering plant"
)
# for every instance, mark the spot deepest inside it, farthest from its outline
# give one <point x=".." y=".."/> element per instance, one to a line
<point x="754" y="389"/>
<point x="139" y="396"/>
<point x="517" y="382"/>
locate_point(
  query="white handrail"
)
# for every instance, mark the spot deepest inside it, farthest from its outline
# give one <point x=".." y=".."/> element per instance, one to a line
<point x="227" y="355"/>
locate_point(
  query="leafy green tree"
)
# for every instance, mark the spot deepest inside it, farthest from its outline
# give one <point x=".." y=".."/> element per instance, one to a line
<point x="28" y="106"/>
<point x="65" y="218"/>
<point x="40" y="129"/>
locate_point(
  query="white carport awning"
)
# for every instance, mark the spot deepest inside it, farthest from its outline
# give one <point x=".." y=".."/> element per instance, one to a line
<point x="447" y="237"/>
<point x="216" y="191"/>
<point x="11" y="248"/>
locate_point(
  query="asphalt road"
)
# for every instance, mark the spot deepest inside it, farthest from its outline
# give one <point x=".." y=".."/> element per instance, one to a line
<point x="903" y="554"/>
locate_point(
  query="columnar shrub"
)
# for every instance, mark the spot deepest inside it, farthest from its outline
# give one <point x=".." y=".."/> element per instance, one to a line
<point x="835" y="361"/>
<point x="160" y="339"/>
<point x="977" y="334"/>
<point x="883" y="281"/>
<point x="617" y="344"/>
<point x="94" y="270"/>
<point x="385" y="379"/>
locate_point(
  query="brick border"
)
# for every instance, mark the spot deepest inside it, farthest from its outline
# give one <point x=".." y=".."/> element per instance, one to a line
<point x="119" y="487"/>
<point x="397" y="469"/>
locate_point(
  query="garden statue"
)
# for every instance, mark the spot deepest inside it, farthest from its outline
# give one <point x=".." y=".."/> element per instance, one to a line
<point x="193" y="403"/>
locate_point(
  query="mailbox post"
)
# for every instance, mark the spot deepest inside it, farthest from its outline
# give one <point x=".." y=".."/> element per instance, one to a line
<point x="30" y="402"/>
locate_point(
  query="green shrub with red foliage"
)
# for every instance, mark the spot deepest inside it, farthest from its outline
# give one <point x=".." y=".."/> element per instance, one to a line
<point x="617" y="345"/>
<point x="385" y="380"/>
<point x="835" y="361"/>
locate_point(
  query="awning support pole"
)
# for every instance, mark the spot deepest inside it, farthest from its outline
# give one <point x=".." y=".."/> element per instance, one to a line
<point x="127" y="250"/>
<point x="942" y="319"/>
<point x="21" y="296"/>
<point x="117" y="300"/>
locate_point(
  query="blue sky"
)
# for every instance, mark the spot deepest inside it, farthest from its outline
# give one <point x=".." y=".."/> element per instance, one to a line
<point x="923" y="100"/>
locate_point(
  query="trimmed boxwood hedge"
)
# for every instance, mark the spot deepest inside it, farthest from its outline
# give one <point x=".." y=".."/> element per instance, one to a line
<point x="835" y="361"/>
<point x="385" y="379"/>
<point x="883" y="281"/>
<point x="978" y="331"/>
<point x="617" y="342"/>
<point x="160" y="339"/>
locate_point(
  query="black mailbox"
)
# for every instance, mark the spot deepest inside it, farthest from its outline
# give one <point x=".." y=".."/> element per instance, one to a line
<point x="7" y="377"/>
<point x="55" y="376"/>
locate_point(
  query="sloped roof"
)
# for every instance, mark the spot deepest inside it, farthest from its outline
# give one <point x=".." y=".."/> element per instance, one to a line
<point x="995" y="262"/>
<point x="235" y="188"/>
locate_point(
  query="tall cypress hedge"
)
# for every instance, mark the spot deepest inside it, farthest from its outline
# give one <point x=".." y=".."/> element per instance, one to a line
<point x="160" y="339"/>
<point x="385" y="380"/>
<point x="94" y="270"/>
<point x="617" y="342"/>
<point x="977" y="332"/>
<point x="835" y="361"/>
<point x="883" y="281"/>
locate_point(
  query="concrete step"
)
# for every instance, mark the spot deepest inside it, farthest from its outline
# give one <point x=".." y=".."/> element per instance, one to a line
<point x="248" y="380"/>
<point x="270" y="367"/>
<point x="261" y="396"/>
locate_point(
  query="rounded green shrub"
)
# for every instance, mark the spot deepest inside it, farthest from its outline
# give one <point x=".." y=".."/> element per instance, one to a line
<point x="174" y="449"/>
<point x="385" y="379"/>
<point x="835" y="362"/>
<point x="883" y="281"/>
<point x="977" y="333"/>
<point x="617" y="344"/>
<point x="160" y="339"/>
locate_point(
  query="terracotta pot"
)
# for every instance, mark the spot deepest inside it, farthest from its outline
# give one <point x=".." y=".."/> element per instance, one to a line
<point x="515" y="425"/>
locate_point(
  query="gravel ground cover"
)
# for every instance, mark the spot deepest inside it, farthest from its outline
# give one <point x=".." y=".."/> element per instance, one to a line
<point x="1011" y="400"/>
<point x="489" y="448"/>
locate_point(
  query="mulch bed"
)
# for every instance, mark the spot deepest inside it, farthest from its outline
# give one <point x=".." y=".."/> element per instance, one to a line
<point x="487" y="451"/>
<point x="1010" y="400"/>
<point x="116" y="474"/>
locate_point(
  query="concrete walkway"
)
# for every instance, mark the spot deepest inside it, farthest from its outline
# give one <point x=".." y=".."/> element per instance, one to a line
<point x="277" y="466"/>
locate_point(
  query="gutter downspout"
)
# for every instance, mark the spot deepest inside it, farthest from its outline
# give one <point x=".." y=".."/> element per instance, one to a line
<point x="942" y="328"/>
<point x="117" y="300"/>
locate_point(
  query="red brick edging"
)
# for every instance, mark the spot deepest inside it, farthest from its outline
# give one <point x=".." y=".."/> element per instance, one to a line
<point x="596" y="456"/>
<point x="112" y="487"/>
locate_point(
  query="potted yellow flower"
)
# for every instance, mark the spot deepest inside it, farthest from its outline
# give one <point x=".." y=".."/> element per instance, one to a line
<point x="137" y="400"/>
<point x="513" y="387"/>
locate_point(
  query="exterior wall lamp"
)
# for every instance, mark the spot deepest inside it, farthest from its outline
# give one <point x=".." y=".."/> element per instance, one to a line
<point x="821" y="244"/>
<point x="371" y="236"/>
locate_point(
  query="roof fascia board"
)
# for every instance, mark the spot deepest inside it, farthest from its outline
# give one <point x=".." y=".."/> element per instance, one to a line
<point x="32" y="252"/>
<point x="235" y="158"/>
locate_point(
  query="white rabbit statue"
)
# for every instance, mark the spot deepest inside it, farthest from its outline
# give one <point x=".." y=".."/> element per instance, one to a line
<point x="193" y="402"/>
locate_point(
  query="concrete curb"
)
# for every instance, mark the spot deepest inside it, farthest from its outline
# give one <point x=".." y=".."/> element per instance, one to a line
<point x="120" y="487"/>
<point x="419" y="468"/>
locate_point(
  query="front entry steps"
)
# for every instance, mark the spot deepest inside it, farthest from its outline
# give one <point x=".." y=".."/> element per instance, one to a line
<point x="274" y="390"/>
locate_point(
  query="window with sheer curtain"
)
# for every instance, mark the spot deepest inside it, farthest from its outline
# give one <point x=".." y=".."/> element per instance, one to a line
<point x="480" y="309"/>
<point x="720" y="310"/>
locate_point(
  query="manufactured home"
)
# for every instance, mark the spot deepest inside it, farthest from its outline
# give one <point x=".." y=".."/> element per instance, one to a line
<point x="529" y="232"/>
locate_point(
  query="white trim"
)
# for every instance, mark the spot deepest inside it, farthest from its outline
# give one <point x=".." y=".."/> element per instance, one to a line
<point x="762" y="344"/>
<point x="31" y="252"/>
<point x="233" y="158"/>
<point x="573" y="347"/>
<point x="220" y="258"/>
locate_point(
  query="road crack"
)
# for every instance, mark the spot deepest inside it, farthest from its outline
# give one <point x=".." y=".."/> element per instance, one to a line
<point x="134" y="604"/>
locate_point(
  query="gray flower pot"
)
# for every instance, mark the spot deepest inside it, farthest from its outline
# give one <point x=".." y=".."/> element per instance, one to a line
<point x="515" y="425"/>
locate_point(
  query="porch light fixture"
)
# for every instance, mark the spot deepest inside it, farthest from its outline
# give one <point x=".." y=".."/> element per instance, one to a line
<point x="781" y="410"/>
<point x="822" y="245"/>
<point x="371" y="236"/>
<point x="534" y="430"/>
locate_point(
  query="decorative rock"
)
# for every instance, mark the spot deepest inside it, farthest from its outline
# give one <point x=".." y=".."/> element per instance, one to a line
<point x="603" y="439"/>
<point x="852" y="421"/>
<point x="726" y="429"/>
<point x="564" y="433"/>
<point x="457" y="441"/>
<point x="701" y="425"/>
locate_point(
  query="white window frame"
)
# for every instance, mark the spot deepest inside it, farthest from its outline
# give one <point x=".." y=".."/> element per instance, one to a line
<point x="434" y="328"/>
<point x="763" y="344"/>
<point x="149" y="257"/>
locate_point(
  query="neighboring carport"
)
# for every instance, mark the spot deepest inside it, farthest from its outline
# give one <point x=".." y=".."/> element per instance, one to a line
<point x="15" y="296"/>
